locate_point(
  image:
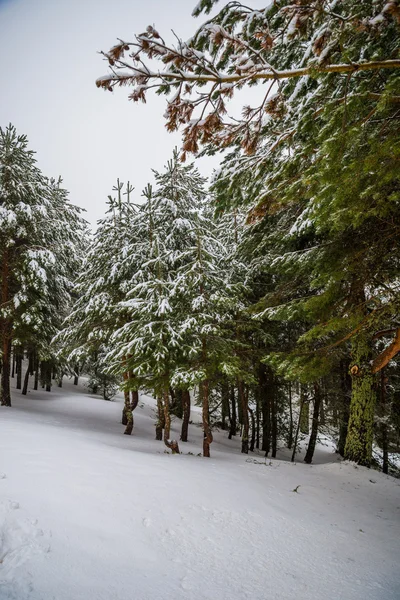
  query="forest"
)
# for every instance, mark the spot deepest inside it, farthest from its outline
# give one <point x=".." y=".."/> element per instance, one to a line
<point x="269" y="295"/>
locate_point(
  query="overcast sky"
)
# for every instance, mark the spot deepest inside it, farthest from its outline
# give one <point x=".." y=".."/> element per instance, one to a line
<point x="49" y="66"/>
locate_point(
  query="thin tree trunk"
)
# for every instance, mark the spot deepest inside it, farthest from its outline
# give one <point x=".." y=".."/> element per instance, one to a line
<point x="296" y="437"/>
<point x="36" y="382"/>
<point x="13" y="364"/>
<point x="245" y="417"/>
<point x="290" y="435"/>
<point x="305" y="412"/>
<point x="160" y="419"/>
<point x="19" y="358"/>
<point x="5" y="372"/>
<point x="233" y="424"/>
<point x="274" y="417"/>
<point x="315" y="422"/>
<point x="186" y="415"/>
<point x="127" y="402"/>
<point x="26" y="378"/>
<point x="207" y="435"/>
<point x="172" y="444"/>
<point x="258" y="409"/>
<point x="129" y="411"/>
<point x="253" y="430"/>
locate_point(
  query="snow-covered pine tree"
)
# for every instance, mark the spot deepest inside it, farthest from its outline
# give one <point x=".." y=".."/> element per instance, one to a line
<point x="95" y="314"/>
<point x="41" y="236"/>
<point x="329" y="105"/>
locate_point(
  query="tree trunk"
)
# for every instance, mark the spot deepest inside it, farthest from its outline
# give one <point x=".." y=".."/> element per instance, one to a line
<point x="296" y="437"/>
<point x="274" y="416"/>
<point x="305" y="412"/>
<point x="19" y="357"/>
<point x="233" y="424"/>
<point x="315" y="422"/>
<point x="207" y="435"/>
<point x="26" y="378"/>
<point x="243" y="402"/>
<point x="36" y="381"/>
<point x="13" y="364"/>
<point x="258" y="409"/>
<point x="266" y="414"/>
<point x="5" y="372"/>
<point x="253" y="430"/>
<point x="129" y="408"/>
<point x="359" y="439"/>
<point x="186" y="415"/>
<point x="290" y="434"/>
<point x="160" y="420"/>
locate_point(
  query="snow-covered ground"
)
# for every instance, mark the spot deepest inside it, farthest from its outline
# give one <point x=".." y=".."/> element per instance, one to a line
<point x="87" y="513"/>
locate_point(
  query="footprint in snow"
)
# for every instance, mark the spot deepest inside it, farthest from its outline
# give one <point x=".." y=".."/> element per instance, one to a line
<point x="20" y="540"/>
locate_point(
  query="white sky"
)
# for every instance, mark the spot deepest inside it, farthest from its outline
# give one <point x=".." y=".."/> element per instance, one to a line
<point x="88" y="136"/>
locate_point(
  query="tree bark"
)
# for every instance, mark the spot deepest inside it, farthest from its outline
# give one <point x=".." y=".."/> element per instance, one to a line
<point x="26" y="378"/>
<point x="233" y="424"/>
<point x="5" y="372"/>
<point x="305" y="412"/>
<point x="245" y="417"/>
<point x="160" y="420"/>
<point x="296" y="436"/>
<point x="186" y="415"/>
<point x="6" y="333"/>
<point x="359" y="439"/>
<point x="290" y="434"/>
<point x="314" y="427"/>
<point x="253" y="430"/>
<point x="19" y="357"/>
<point x="207" y="435"/>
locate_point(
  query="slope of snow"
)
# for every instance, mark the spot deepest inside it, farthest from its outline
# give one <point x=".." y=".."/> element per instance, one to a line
<point x="87" y="513"/>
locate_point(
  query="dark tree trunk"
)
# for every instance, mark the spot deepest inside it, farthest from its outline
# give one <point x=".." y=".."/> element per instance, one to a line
<point x="19" y="358"/>
<point x="26" y="378"/>
<point x="60" y="381"/>
<point x="274" y="416"/>
<point x="13" y="364"/>
<point x="160" y="419"/>
<point x="5" y="372"/>
<point x="253" y="430"/>
<point x="186" y="415"/>
<point x="258" y="410"/>
<point x="243" y="403"/>
<point x="233" y="424"/>
<point x="207" y="434"/>
<point x="36" y="381"/>
<point x="266" y="412"/>
<point x="172" y="444"/>
<point x="290" y="434"/>
<point x="315" y="422"/>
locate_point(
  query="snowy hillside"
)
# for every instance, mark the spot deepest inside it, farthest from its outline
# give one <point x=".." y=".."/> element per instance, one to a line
<point x="87" y="513"/>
